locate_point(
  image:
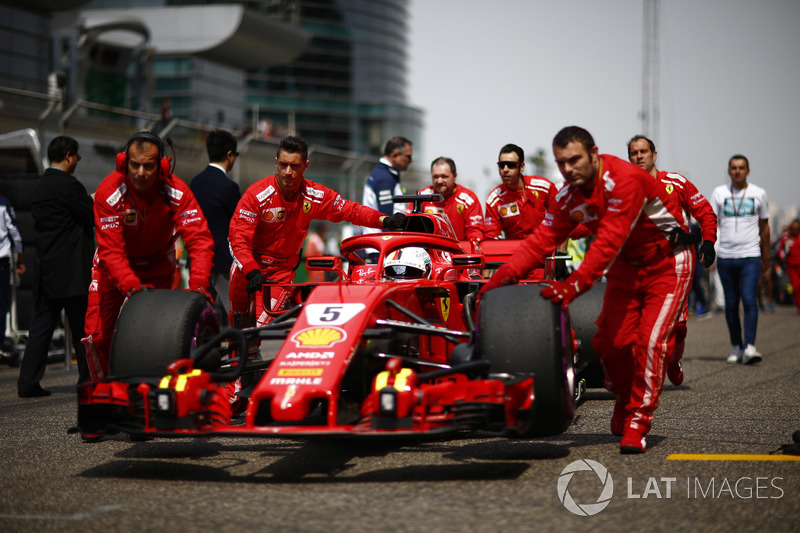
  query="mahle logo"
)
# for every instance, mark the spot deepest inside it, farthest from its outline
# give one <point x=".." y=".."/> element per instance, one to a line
<point x="585" y="509"/>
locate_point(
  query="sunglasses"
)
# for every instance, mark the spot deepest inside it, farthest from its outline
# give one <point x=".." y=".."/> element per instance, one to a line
<point x="507" y="164"/>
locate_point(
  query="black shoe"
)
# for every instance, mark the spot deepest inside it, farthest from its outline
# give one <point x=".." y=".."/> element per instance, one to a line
<point x="35" y="392"/>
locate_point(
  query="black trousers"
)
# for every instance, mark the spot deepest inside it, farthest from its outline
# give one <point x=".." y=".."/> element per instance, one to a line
<point x="46" y="312"/>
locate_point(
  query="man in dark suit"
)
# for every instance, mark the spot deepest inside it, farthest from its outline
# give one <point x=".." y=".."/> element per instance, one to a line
<point x="218" y="196"/>
<point x="64" y="222"/>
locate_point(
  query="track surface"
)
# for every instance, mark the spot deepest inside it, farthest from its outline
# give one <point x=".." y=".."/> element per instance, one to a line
<point x="51" y="481"/>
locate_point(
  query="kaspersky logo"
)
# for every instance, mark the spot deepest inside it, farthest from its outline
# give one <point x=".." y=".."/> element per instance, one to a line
<point x="605" y="487"/>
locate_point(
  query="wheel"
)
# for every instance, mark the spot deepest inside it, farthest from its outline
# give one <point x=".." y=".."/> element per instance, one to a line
<point x="522" y="334"/>
<point x="583" y="314"/>
<point x="156" y="327"/>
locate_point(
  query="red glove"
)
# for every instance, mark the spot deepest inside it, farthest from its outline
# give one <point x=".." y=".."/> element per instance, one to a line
<point x="140" y="288"/>
<point x="502" y="277"/>
<point x="205" y="292"/>
<point x="566" y="291"/>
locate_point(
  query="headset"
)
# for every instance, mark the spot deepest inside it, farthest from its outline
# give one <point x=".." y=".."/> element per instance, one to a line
<point x="122" y="157"/>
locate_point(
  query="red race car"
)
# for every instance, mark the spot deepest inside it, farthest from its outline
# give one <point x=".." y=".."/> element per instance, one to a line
<point x="398" y="345"/>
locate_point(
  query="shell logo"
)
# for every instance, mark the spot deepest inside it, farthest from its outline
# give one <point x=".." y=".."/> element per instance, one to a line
<point x="577" y="216"/>
<point x="503" y="211"/>
<point x="319" y="337"/>
<point x="269" y="215"/>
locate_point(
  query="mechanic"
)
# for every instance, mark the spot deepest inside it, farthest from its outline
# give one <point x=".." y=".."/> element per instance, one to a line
<point x="140" y="211"/>
<point x="789" y="255"/>
<point x="218" y="196"/>
<point x="744" y="254"/>
<point x="681" y="194"/>
<point x="384" y="180"/>
<point x="64" y="222"/>
<point x="271" y="222"/>
<point x="410" y="262"/>
<point x="647" y="272"/>
<point x="460" y="205"/>
<point x="517" y="206"/>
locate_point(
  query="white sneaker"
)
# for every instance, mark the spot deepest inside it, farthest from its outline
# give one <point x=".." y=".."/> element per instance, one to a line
<point x="736" y="355"/>
<point x="751" y="355"/>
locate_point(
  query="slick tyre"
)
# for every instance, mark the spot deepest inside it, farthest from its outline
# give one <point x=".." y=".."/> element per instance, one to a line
<point x="583" y="313"/>
<point x="156" y="327"/>
<point x="522" y="334"/>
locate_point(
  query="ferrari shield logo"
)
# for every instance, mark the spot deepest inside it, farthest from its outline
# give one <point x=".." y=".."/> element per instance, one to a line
<point x="306" y="207"/>
<point x="444" y="307"/>
<point x="460" y="208"/>
<point x="669" y="188"/>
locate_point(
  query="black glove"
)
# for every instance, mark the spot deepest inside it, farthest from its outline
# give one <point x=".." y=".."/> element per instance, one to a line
<point x="678" y="236"/>
<point x="395" y="222"/>
<point x="706" y="253"/>
<point x="255" y="280"/>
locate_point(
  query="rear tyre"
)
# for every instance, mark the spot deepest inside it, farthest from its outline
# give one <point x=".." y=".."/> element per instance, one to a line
<point x="583" y="313"/>
<point x="522" y="334"/>
<point x="156" y="327"/>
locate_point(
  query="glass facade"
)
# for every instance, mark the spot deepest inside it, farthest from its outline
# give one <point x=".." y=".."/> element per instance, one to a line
<point x="337" y="92"/>
<point x="25" y="49"/>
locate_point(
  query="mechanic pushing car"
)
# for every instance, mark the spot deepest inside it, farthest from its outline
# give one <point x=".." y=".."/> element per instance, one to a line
<point x="635" y="228"/>
<point x="140" y="211"/>
<point x="271" y="222"/>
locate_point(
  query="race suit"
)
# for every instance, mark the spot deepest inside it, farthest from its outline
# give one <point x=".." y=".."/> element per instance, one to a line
<point x="683" y="195"/>
<point x="462" y="208"/>
<point x="136" y="234"/>
<point x="517" y="213"/>
<point x="647" y="277"/>
<point x="267" y="232"/>
<point x="789" y="254"/>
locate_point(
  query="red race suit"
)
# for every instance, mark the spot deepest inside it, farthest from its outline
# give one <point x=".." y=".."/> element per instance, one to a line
<point x="136" y="235"/>
<point x="517" y="213"/>
<point x="647" y="278"/>
<point x="267" y="232"/>
<point x="462" y="208"/>
<point x="789" y="254"/>
<point x="682" y="194"/>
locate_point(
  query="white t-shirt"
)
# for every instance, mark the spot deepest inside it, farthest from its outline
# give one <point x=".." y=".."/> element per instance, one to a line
<point x="738" y="214"/>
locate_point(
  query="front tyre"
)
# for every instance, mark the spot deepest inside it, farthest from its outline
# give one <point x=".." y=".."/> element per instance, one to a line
<point x="522" y="334"/>
<point x="156" y="327"/>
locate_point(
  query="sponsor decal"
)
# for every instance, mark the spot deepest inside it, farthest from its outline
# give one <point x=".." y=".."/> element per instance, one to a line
<point x="188" y="213"/>
<point x="309" y="355"/>
<point x="306" y="206"/>
<point x="319" y="337"/>
<point x="312" y="364"/>
<point x="460" y="209"/>
<point x="175" y="194"/>
<point x="117" y="195"/>
<point x="300" y="372"/>
<point x="509" y="210"/>
<point x="247" y="215"/>
<point x="295" y="381"/>
<point x="129" y="217"/>
<point x="276" y="214"/>
<point x="190" y="220"/>
<point x="432" y="210"/>
<point x="338" y="203"/>
<point x="669" y="188"/>
<point x="266" y="193"/>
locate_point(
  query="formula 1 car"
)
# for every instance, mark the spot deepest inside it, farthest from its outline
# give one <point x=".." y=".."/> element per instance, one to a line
<point x="377" y="352"/>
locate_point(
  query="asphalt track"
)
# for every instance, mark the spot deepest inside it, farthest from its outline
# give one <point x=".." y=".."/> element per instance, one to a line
<point x="51" y="481"/>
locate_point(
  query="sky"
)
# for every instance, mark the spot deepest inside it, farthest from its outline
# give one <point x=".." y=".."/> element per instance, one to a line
<point x="490" y="73"/>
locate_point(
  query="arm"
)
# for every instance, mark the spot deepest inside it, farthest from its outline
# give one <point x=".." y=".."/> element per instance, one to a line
<point x="191" y="223"/>
<point x="492" y="226"/>
<point x="473" y="221"/>
<point x="765" y="236"/>
<point x="242" y="229"/>
<point x="701" y="210"/>
<point x="111" y="242"/>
